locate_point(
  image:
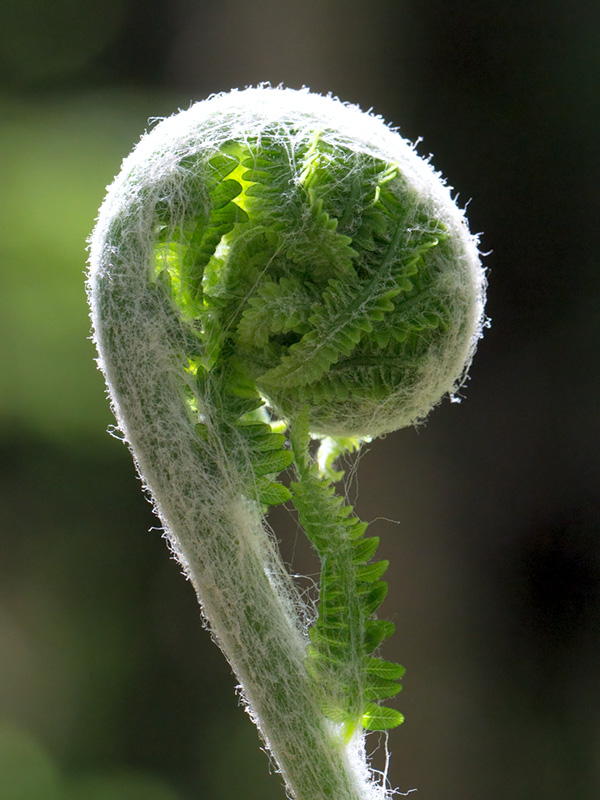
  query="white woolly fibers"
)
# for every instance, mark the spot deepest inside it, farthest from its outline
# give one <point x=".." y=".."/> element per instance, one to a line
<point x="248" y="600"/>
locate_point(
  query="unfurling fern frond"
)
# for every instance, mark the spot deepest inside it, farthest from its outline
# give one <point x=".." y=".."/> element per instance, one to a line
<point x="276" y="308"/>
<point x="273" y="268"/>
<point x="282" y="196"/>
<point x="337" y="325"/>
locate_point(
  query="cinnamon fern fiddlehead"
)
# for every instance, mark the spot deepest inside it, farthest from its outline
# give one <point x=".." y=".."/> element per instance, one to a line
<point x="271" y="267"/>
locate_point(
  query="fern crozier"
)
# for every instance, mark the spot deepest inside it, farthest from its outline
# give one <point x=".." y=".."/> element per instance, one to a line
<point x="272" y="265"/>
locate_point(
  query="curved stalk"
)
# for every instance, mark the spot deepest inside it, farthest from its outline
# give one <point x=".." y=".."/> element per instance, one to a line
<point x="279" y="247"/>
<point x="248" y="599"/>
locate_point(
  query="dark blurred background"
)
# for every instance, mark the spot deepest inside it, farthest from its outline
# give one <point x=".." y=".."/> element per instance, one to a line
<point x="109" y="687"/>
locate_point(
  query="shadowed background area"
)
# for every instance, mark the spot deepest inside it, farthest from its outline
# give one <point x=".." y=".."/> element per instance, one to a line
<point x="109" y="687"/>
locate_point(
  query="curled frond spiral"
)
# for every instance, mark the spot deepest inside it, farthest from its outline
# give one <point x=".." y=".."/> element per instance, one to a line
<point x="272" y="265"/>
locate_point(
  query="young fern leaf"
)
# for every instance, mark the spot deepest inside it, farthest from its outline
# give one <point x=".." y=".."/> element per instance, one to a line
<point x="277" y="307"/>
<point x="344" y="635"/>
<point x="283" y="193"/>
<point x="273" y="267"/>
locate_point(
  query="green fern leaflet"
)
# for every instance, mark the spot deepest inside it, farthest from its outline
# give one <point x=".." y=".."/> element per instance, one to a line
<point x="299" y="282"/>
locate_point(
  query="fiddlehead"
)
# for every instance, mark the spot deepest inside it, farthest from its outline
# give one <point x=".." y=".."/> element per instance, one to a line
<point x="269" y="265"/>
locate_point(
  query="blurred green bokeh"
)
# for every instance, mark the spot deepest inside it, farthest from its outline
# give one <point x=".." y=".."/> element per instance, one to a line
<point x="26" y="770"/>
<point x="43" y="43"/>
<point x="56" y="157"/>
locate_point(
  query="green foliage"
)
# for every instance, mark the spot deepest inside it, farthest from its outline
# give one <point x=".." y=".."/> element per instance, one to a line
<point x="351" y="681"/>
<point x="238" y="426"/>
<point x="308" y="260"/>
<point x="296" y="265"/>
<point x="301" y="283"/>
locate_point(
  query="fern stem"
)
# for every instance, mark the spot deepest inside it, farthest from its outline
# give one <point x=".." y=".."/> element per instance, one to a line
<point x="218" y="277"/>
<point x="248" y="599"/>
